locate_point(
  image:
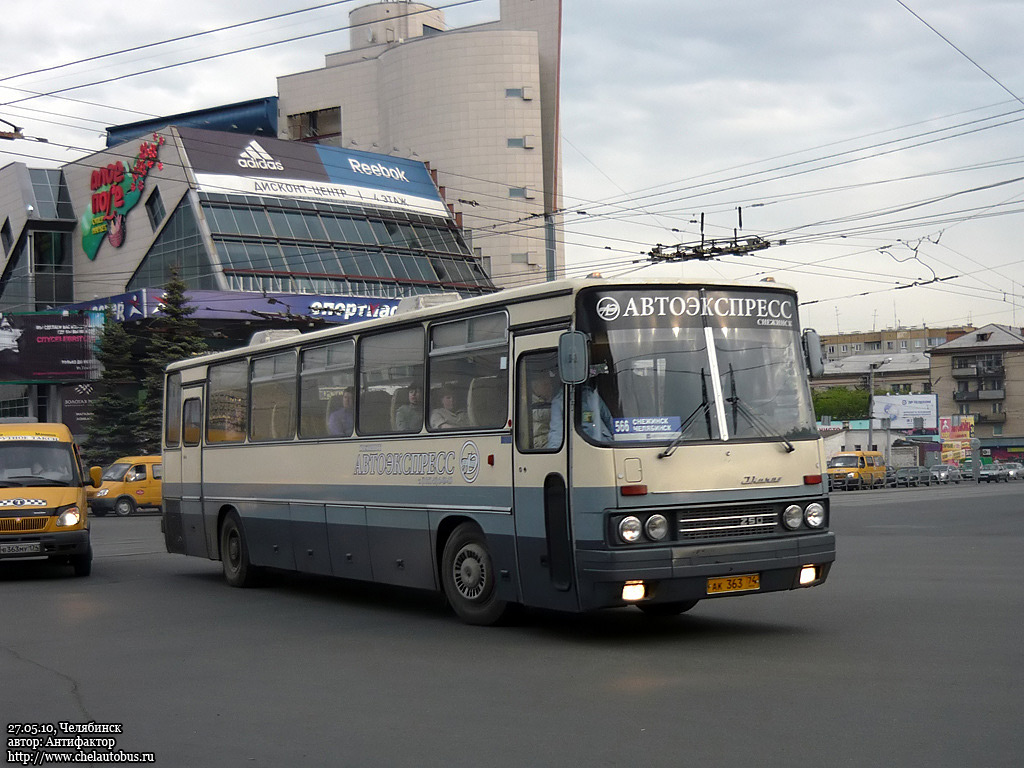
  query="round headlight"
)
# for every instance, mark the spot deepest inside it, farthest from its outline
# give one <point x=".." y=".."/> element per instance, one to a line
<point x="792" y="516"/>
<point x="68" y="517"/>
<point x="629" y="529"/>
<point x="656" y="527"/>
<point x="814" y="516"/>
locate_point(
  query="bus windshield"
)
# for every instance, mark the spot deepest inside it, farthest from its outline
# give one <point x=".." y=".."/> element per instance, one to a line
<point x="35" y="463"/>
<point x="696" y="365"/>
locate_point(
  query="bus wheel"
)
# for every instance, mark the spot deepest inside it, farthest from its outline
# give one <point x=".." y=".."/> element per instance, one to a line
<point x="234" y="554"/>
<point x="124" y="506"/>
<point x="666" y="609"/>
<point x="468" y="577"/>
<point x="82" y="563"/>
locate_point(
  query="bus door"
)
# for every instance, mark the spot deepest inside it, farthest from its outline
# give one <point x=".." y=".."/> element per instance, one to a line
<point x="191" y="485"/>
<point x="540" y="476"/>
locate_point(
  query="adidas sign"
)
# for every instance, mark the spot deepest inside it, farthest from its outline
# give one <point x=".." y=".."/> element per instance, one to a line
<point x="255" y="156"/>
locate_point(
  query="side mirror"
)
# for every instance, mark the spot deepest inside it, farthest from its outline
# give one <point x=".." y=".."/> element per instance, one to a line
<point x="96" y="476"/>
<point x="573" y="357"/>
<point x="813" y="354"/>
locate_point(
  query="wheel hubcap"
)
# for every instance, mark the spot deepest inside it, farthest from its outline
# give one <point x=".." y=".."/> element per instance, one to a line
<point x="470" y="572"/>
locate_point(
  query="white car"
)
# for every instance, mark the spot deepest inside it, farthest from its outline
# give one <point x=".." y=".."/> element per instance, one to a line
<point x="1015" y="470"/>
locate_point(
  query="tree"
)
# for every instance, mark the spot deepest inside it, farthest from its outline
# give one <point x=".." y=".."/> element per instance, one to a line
<point x="113" y="430"/>
<point x="174" y="335"/>
<point x="841" y="404"/>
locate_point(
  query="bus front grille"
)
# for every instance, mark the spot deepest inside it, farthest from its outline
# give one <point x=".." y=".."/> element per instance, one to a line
<point x="18" y="524"/>
<point x="730" y="523"/>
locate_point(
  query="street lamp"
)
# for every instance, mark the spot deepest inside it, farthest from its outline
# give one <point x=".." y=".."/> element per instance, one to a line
<point x="872" y="367"/>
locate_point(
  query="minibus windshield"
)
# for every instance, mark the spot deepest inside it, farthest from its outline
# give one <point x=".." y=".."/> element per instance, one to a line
<point x="27" y="463"/>
<point x="679" y="365"/>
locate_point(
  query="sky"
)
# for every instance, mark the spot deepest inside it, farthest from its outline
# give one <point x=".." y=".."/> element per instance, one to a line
<point x="875" y="146"/>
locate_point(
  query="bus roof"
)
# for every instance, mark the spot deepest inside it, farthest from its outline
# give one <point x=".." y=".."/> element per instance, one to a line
<point x="507" y="296"/>
<point x="36" y="431"/>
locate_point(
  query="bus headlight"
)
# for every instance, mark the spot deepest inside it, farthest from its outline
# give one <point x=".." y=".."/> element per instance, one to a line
<point x="656" y="527"/>
<point x="814" y="516"/>
<point x="792" y="516"/>
<point x="629" y="529"/>
<point x="68" y="516"/>
<point x="102" y="491"/>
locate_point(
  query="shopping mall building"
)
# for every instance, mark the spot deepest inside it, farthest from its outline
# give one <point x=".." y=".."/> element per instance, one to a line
<point x="264" y="232"/>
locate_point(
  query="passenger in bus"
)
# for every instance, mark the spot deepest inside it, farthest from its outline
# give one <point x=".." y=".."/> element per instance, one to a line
<point x="542" y="390"/>
<point x="595" y="418"/>
<point x="446" y="417"/>
<point x="409" y="417"/>
<point x="341" y="417"/>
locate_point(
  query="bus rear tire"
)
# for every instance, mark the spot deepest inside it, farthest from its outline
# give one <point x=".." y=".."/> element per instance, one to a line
<point x="661" y="610"/>
<point x="469" y="579"/>
<point x="234" y="554"/>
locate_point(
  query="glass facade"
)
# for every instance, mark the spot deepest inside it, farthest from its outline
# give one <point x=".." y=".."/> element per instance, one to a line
<point x="180" y="247"/>
<point x="294" y="246"/>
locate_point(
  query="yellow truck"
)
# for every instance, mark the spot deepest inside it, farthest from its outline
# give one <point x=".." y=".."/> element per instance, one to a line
<point x="129" y="483"/>
<point x="43" y="510"/>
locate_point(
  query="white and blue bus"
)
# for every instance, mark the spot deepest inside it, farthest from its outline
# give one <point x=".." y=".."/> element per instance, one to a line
<point x="574" y="445"/>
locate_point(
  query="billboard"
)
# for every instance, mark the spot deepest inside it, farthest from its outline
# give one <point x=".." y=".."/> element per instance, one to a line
<point x="237" y="305"/>
<point x="241" y="164"/>
<point x="39" y="348"/>
<point x="956" y="434"/>
<point x="901" y="410"/>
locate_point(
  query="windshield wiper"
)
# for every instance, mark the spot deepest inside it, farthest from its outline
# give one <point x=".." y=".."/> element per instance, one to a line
<point x="704" y="406"/>
<point x="34" y="480"/>
<point x="757" y="421"/>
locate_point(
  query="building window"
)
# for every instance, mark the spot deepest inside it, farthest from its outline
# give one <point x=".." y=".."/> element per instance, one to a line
<point x="155" y="210"/>
<point x="517" y="191"/>
<point x="517" y="143"/>
<point x="513" y="93"/>
<point x="319" y="124"/>
<point x="5" y="235"/>
<point x="997" y="430"/>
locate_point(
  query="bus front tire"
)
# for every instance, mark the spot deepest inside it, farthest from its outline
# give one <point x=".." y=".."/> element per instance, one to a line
<point x="82" y="564"/>
<point x="469" y="579"/>
<point x="124" y="506"/>
<point x="661" y="610"/>
<point x="234" y="554"/>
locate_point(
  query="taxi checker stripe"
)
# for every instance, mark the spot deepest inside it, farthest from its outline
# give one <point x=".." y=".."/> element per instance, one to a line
<point x="23" y="503"/>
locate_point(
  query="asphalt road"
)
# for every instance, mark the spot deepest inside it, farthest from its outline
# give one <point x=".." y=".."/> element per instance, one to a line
<point x="910" y="655"/>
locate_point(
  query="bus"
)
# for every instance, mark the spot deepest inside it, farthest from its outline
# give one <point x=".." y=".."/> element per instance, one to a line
<point x="575" y="445"/>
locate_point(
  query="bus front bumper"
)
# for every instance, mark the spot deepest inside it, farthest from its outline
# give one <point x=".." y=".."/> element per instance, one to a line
<point x="695" y="572"/>
<point x="56" y="544"/>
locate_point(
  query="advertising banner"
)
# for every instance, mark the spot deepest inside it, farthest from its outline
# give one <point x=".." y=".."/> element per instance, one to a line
<point x="76" y="406"/>
<point x="236" y="163"/>
<point x="39" y="348"/>
<point x="901" y="410"/>
<point x="956" y="438"/>
<point x="232" y="305"/>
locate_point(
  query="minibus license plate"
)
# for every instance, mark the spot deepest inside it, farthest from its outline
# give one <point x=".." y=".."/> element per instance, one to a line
<point x="744" y="582"/>
<point x="26" y="548"/>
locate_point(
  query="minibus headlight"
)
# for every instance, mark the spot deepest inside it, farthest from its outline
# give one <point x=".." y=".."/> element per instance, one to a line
<point x="629" y="529"/>
<point x="102" y="491"/>
<point x="814" y="516"/>
<point x="792" y="516"/>
<point x="68" y="516"/>
<point x="656" y="527"/>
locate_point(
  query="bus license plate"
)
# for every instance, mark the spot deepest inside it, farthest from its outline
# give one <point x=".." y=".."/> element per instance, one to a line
<point x="26" y="548"/>
<point x="745" y="582"/>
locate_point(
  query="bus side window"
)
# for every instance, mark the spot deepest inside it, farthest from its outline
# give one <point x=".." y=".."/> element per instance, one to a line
<point x="537" y="384"/>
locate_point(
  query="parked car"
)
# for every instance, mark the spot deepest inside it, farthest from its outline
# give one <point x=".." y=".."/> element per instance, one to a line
<point x="890" y="477"/>
<point x="1015" y="470"/>
<point x="913" y="476"/>
<point x="946" y="473"/>
<point x="994" y="473"/>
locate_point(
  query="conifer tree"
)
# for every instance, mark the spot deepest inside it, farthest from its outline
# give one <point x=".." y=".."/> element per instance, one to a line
<point x="113" y="430"/>
<point x="173" y="335"/>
